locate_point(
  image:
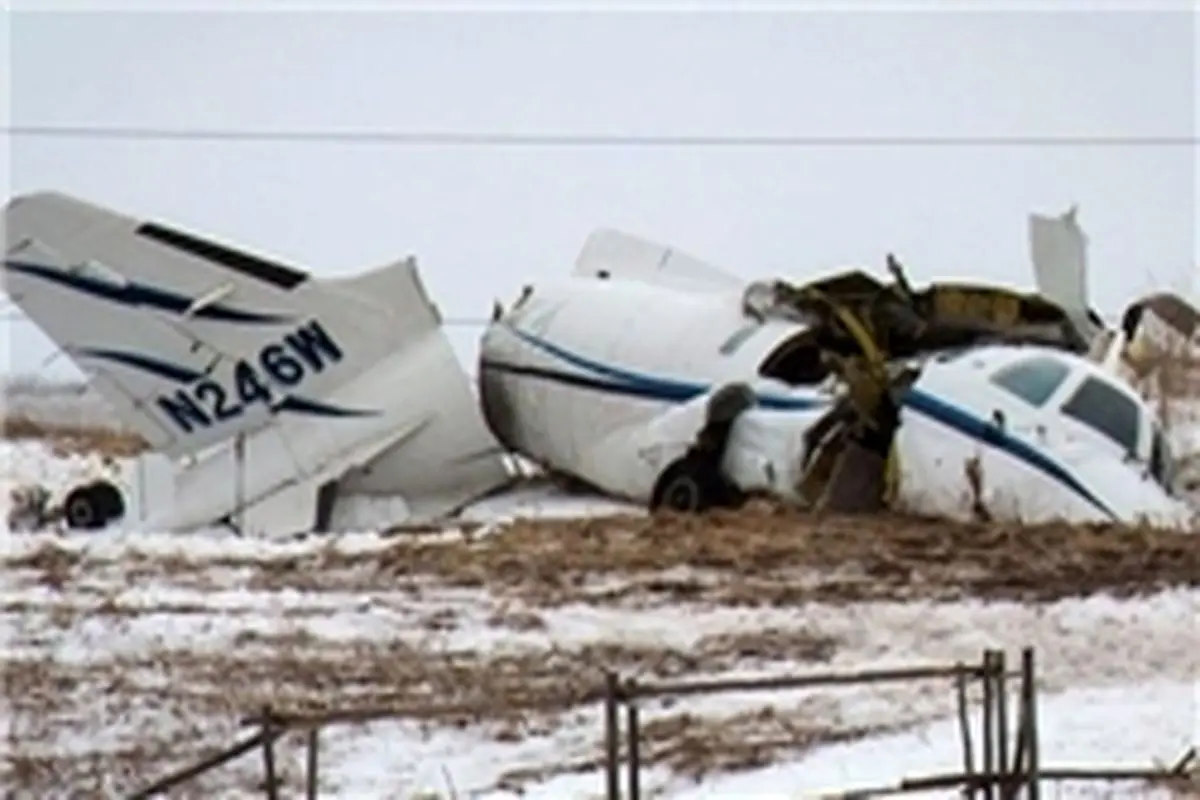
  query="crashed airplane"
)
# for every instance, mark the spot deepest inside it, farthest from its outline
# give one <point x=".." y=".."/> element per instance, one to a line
<point x="271" y="399"/>
<point x="653" y="376"/>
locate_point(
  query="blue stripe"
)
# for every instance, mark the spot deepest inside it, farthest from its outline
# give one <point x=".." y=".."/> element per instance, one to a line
<point x="299" y="405"/>
<point x="177" y="373"/>
<point x="989" y="434"/>
<point x="657" y="388"/>
<point x="162" y="369"/>
<point x="671" y="390"/>
<point x="651" y="386"/>
<point x="139" y="294"/>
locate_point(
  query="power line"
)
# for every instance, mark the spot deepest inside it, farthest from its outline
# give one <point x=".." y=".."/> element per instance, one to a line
<point x="433" y="138"/>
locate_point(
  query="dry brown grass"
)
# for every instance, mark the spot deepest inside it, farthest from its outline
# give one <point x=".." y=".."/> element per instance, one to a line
<point x="53" y="565"/>
<point x="74" y="439"/>
<point x="297" y="674"/>
<point x="696" y="747"/>
<point x="762" y="555"/>
<point x="509" y="696"/>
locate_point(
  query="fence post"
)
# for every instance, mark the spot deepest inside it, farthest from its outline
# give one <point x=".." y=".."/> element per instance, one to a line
<point x="632" y="734"/>
<point x="964" y="727"/>
<point x="1018" y="760"/>
<point x="612" y="734"/>
<point x="1029" y="681"/>
<point x="314" y="743"/>
<point x="1002" y="723"/>
<point x="987" y="723"/>
<point x="268" y="736"/>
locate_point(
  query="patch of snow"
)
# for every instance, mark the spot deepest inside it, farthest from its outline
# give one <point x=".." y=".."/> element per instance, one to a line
<point x="36" y="462"/>
<point x="1114" y="673"/>
<point x="1114" y="727"/>
<point x="544" y="501"/>
<point x="33" y="462"/>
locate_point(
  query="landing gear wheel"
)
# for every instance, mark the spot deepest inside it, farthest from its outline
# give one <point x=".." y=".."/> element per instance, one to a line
<point x="682" y="492"/>
<point x="691" y="485"/>
<point x="92" y="506"/>
<point x="82" y="509"/>
<point x="109" y="498"/>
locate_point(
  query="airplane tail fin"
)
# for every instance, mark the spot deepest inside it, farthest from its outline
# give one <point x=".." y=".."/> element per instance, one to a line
<point x="208" y="352"/>
<point x="191" y="341"/>
<point x="129" y="358"/>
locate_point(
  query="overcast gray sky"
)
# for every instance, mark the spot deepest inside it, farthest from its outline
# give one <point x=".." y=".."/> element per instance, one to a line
<point x="482" y="221"/>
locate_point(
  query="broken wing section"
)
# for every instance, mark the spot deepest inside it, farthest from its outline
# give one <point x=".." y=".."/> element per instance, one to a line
<point x="447" y="456"/>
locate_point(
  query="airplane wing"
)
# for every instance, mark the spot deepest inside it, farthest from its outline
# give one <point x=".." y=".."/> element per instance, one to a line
<point x="610" y="253"/>
<point x="193" y="343"/>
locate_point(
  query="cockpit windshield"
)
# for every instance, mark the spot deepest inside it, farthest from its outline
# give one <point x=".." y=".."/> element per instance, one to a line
<point x="1106" y="409"/>
<point x="1032" y="379"/>
<point x="1097" y="403"/>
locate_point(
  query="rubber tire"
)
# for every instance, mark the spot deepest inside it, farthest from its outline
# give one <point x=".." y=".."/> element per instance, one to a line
<point x="688" y="486"/>
<point x="109" y="499"/>
<point x="92" y="506"/>
<point x="84" y="509"/>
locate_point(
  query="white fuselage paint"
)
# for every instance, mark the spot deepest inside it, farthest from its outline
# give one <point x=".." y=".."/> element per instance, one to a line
<point x="593" y="378"/>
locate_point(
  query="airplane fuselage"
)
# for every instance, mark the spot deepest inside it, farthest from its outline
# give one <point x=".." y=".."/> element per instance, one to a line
<point x="604" y="380"/>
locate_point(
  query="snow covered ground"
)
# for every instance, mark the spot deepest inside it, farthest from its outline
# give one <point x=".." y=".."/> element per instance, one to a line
<point x="128" y="655"/>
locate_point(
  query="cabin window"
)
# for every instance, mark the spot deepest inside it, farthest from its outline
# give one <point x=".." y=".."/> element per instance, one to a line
<point x="1106" y="409"/>
<point x="1033" y="380"/>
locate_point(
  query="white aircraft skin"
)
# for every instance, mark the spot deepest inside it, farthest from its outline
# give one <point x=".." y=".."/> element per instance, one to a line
<point x="605" y="376"/>
<point x="268" y="396"/>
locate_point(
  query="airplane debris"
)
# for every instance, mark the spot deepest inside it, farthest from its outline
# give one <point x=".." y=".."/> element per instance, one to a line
<point x="865" y="393"/>
<point x="268" y="398"/>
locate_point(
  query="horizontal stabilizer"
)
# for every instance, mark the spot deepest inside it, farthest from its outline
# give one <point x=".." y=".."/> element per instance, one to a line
<point x="609" y="253"/>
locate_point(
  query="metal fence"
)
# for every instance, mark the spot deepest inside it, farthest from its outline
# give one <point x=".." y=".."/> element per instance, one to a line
<point x="1001" y="759"/>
